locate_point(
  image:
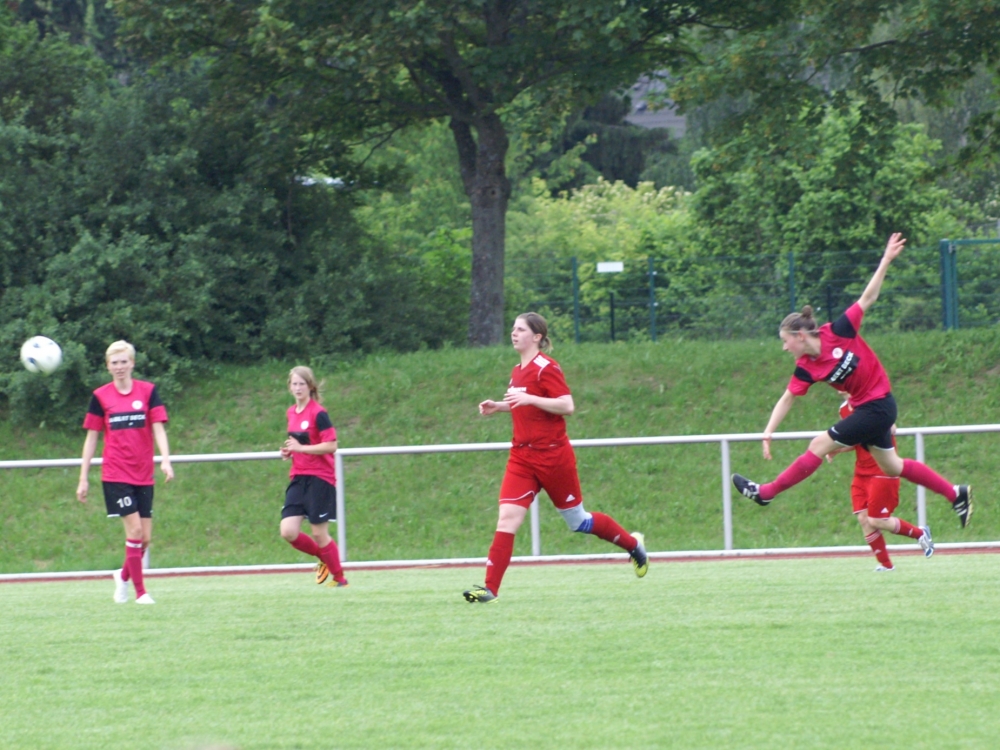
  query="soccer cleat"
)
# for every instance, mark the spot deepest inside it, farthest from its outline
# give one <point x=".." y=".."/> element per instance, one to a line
<point x="640" y="560"/>
<point x="322" y="573"/>
<point x="883" y="569"/>
<point x="479" y="594"/>
<point x="925" y="541"/>
<point x="749" y="489"/>
<point x="963" y="503"/>
<point x="338" y="583"/>
<point x="121" y="588"/>
<point x="145" y="599"/>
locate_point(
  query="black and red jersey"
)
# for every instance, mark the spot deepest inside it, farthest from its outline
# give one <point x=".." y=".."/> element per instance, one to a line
<point x="312" y="426"/>
<point x="845" y="361"/>
<point x="536" y="427"/>
<point x="126" y="419"/>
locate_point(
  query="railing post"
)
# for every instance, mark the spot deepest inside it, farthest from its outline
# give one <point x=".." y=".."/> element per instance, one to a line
<point x="945" y="298"/>
<point x="576" y="302"/>
<point x="921" y="491"/>
<point x="338" y="465"/>
<point x="727" y="498"/>
<point x="536" y="532"/>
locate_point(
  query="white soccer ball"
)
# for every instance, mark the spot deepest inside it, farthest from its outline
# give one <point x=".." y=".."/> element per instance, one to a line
<point x="41" y="354"/>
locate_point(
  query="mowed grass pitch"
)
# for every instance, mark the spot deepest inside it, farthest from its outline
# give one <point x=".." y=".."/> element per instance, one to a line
<point x="717" y="654"/>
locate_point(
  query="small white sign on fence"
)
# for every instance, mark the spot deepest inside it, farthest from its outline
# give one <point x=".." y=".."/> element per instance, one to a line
<point x="610" y="266"/>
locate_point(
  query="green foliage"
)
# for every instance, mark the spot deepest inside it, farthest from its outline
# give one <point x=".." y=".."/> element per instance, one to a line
<point x="143" y="212"/>
<point x="830" y="192"/>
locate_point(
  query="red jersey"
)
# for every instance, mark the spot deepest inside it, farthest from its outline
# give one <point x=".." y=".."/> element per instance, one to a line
<point x="543" y="377"/>
<point x="865" y="464"/>
<point x="126" y="419"/>
<point x="844" y="361"/>
<point x="312" y="426"/>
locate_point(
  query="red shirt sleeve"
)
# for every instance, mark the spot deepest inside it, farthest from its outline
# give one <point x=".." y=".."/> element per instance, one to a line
<point x="553" y="382"/>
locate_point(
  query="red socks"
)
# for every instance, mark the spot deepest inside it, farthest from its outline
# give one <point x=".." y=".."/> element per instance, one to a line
<point x="305" y="543"/>
<point x="499" y="558"/>
<point x="606" y="528"/>
<point x="801" y="468"/>
<point x="877" y="542"/>
<point x="330" y="554"/>
<point x="133" y="565"/>
<point x="925" y="476"/>
<point x="905" y="528"/>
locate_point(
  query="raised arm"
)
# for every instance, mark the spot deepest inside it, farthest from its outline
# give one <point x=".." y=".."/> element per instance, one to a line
<point x="892" y="250"/>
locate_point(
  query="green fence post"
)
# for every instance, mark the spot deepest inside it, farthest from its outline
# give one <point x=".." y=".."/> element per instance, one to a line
<point x="611" y="300"/>
<point x="652" y="299"/>
<point x="576" y="303"/>
<point x="945" y="297"/>
<point x="949" y="284"/>
<point x="791" y="280"/>
<point x="953" y="258"/>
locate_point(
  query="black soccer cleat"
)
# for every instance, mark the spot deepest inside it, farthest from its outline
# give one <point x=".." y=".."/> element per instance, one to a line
<point x="963" y="503"/>
<point x="749" y="489"/>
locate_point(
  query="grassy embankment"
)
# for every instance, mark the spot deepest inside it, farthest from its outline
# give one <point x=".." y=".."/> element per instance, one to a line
<point x="445" y="505"/>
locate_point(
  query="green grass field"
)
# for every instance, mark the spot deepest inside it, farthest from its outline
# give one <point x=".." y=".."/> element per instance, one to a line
<point x="815" y="653"/>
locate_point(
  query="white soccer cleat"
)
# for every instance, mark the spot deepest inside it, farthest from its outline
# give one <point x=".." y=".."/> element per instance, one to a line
<point x="121" y="588"/>
<point x="145" y="599"/>
<point x="925" y="541"/>
<point x="883" y="569"/>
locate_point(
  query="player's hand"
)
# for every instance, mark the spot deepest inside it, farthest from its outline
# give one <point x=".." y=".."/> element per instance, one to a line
<point x="488" y="407"/>
<point x="291" y="446"/>
<point x="81" y="490"/>
<point x="895" y="246"/>
<point x="766" y="444"/>
<point x="167" y="469"/>
<point x="518" y="398"/>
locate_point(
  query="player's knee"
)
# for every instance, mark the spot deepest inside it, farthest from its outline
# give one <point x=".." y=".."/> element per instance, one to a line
<point x="577" y="519"/>
<point x="289" y="534"/>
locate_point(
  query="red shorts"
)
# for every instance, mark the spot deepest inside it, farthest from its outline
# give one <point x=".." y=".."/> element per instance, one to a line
<point x="530" y="470"/>
<point x="877" y="495"/>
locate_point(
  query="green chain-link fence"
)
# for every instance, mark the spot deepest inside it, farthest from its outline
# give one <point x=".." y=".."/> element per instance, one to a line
<point x="954" y="284"/>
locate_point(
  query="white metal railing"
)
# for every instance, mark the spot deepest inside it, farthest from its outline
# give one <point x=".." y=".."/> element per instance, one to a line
<point x="723" y="440"/>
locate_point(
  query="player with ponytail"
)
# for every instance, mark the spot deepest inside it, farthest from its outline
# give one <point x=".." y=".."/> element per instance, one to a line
<point x="837" y="354"/>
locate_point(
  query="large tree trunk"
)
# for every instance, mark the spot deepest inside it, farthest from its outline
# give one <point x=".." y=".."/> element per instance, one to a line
<point x="484" y="174"/>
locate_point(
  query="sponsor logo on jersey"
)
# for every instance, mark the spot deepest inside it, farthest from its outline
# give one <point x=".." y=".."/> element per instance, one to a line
<point x="517" y="389"/>
<point x="849" y="362"/>
<point x="127" y="421"/>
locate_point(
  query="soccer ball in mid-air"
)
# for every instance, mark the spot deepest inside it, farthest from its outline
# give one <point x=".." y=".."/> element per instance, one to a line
<point x="41" y="354"/>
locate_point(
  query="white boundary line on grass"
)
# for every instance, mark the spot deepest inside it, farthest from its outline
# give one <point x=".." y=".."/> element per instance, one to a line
<point x="457" y="562"/>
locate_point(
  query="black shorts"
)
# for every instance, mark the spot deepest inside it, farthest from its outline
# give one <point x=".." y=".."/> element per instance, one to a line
<point x="123" y="499"/>
<point x="869" y="425"/>
<point x="312" y="497"/>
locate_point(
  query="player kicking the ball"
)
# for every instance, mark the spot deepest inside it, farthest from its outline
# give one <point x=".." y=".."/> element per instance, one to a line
<point x="836" y="353"/>
<point x="541" y="457"/>
<point x="131" y="416"/>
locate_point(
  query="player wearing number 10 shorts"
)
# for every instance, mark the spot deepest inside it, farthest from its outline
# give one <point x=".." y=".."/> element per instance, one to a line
<point x="130" y="415"/>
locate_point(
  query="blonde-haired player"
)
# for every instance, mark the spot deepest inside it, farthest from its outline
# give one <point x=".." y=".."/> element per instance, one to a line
<point x="131" y="416"/>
